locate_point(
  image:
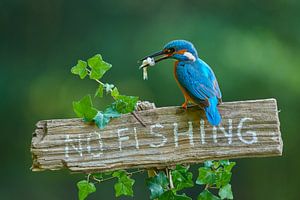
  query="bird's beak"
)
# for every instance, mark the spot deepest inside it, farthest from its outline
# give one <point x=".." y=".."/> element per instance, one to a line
<point x="157" y="56"/>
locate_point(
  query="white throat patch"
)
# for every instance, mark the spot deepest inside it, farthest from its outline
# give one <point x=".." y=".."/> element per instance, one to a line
<point x="190" y="56"/>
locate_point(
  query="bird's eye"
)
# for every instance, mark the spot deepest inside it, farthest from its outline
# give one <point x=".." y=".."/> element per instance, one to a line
<point x="170" y="50"/>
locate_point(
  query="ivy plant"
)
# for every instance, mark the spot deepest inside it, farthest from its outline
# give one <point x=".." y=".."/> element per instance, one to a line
<point x="95" y="67"/>
<point x="213" y="176"/>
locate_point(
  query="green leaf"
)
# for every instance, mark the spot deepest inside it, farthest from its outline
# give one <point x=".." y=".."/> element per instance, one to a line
<point x="216" y="164"/>
<point x="115" y="93"/>
<point x="98" y="67"/>
<point x="157" y="185"/>
<point x="125" y="104"/>
<point x="222" y="177"/>
<point x="224" y="162"/>
<point x="99" y="91"/>
<point x="80" y="69"/>
<point x="84" y="108"/>
<point x="206" y="176"/>
<point x="182" y="178"/>
<point x="103" y="118"/>
<point x="84" y="189"/>
<point x="171" y="195"/>
<point x="124" y="184"/>
<point x="225" y="192"/>
<point x="119" y="173"/>
<point x="223" y="174"/>
<point x="207" y="195"/>
<point x="229" y="167"/>
<point x="208" y="163"/>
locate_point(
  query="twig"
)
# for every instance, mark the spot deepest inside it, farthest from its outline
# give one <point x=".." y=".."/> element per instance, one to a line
<point x="138" y="118"/>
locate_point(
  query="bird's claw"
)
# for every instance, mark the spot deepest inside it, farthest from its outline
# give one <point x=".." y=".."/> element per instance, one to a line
<point x="184" y="105"/>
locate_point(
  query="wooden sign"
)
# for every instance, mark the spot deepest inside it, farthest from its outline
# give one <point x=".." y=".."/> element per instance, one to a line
<point x="172" y="136"/>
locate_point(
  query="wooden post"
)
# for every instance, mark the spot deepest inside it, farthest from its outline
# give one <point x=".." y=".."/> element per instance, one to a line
<point x="172" y="136"/>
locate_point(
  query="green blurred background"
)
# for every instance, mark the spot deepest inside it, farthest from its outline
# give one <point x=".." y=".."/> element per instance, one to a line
<point x="253" y="47"/>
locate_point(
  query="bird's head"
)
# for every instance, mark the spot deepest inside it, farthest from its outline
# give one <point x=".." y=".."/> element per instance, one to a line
<point x="181" y="50"/>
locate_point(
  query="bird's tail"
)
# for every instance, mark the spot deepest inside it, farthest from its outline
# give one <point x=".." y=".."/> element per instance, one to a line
<point x="212" y="112"/>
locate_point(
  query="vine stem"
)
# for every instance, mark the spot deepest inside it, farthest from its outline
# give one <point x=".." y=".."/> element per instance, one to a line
<point x="112" y="177"/>
<point x="133" y="113"/>
<point x="138" y="118"/>
<point x="169" y="174"/>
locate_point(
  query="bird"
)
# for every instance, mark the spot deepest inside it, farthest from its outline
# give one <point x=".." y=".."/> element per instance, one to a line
<point x="194" y="77"/>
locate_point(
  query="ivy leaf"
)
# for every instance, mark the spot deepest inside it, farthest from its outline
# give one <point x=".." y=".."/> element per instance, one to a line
<point x="208" y="163"/>
<point x="216" y="164"/>
<point x="206" y="176"/>
<point x="124" y="184"/>
<point x="225" y="192"/>
<point x="84" y="108"/>
<point x="85" y="188"/>
<point x="229" y="167"/>
<point x="125" y="104"/>
<point x="98" y="66"/>
<point x="99" y="91"/>
<point x="207" y="195"/>
<point x="103" y="118"/>
<point x="222" y="177"/>
<point x="223" y="174"/>
<point x="182" y="178"/>
<point x="157" y="185"/>
<point x="80" y="69"/>
<point x="171" y="195"/>
<point x="115" y="93"/>
<point x="224" y="162"/>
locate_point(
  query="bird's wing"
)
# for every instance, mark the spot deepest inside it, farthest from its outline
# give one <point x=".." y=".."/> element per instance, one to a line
<point x="211" y="77"/>
<point x="217" y="89"/>
<point x="196" y="83"/>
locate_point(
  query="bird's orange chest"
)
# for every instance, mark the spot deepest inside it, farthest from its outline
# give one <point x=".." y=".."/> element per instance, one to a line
<point x="183" y="90"/>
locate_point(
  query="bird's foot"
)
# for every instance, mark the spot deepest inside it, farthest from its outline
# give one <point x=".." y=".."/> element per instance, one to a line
<point x="184" y="105"/>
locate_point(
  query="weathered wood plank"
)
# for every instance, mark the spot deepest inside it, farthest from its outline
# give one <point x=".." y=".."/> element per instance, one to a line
<point x="172" y="136"/>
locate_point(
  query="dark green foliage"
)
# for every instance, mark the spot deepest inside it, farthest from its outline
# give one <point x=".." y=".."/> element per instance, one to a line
<point x="225" y="192"/>
<point x="207" y="195"/>
<point x="124" y="184"/>
<point x="157" y="185"/>
<point x="182" y="178"/>
<point x="217" y="175"/>
<point x="125" y="104"/>
<point x="171" y="195"/>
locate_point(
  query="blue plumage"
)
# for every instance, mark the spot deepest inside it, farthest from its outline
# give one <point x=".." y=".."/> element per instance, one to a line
<point x="197" y="79"/>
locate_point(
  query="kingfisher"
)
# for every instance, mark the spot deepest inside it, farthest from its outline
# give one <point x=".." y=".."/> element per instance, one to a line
<point x="194" y="77"/>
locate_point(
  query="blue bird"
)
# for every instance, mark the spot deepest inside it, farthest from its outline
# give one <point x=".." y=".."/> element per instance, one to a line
<point x="195" y="78"/>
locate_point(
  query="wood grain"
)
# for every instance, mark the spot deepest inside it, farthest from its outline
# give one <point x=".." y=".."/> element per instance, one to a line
<point x="172" y="136"/>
